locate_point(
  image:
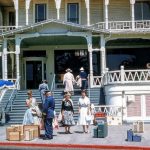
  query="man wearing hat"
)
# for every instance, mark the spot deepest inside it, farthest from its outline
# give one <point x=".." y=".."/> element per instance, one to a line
<point x="48" y="112"/>
<point x="42" y="87"/>
<point x="68" y="81"/>
<point x="83" y="76"/>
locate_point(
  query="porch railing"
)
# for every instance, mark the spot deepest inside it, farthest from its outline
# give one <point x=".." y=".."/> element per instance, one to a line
<point x="122" y="77"/>
<point x="109" y="110"/>
<point x="123" y="25"/>
<point x="13" y="94"/>
<point x="53" y="83"/>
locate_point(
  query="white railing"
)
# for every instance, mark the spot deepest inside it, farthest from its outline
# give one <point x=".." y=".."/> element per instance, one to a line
<point x="7" y="28"/>
<point x="13" y="94"/>
<point x="122" y="77"/>
<point x="123" y="25"/>
<point x="128" y="76"/>
<point x="97" y="81"/>
<point x="109" y="110"/>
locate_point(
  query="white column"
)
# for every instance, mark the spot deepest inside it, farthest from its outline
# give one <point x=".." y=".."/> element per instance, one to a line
<point x="89" y="42"/>
<point x="5" y="75"/>
<point x="87" y="2"/>
<point x="132" y="2"/>
<point x="16" y="4"/>
<point x="27" y="11"/>
<point x="58" y="4"/>
<point x="17" y="52"/>
<point x="106" y="3"/>
<point x="103" y="55"/>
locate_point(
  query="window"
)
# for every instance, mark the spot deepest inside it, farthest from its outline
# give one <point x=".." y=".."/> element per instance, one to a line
<point x="11" y="18"/>
<point x="142" y="10"/>
<point x="40" y="12"/>
<point x="73" y="12"/>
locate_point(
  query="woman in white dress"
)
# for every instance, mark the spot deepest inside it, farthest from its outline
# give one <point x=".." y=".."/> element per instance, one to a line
<point x="32" y="114"/>
<point x="84" y="110"/>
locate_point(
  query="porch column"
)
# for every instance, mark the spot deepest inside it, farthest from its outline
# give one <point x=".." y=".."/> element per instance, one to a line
<point x="27" y="11"/>
<point x="17" y="52"/>
<point x="58" y="4"/>
<point x="89" y="42"/>
<point x="103" y="54"/>
<point x="16" y="4"/>
<point x="5" y="75"/>
<point x="106" y="3"/>
<point x="132" y="2"/>
<point x="87" y="2"/>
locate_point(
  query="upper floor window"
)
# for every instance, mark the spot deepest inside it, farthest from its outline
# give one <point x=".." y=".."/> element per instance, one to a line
<point x="73" y="12"/>
<point x="40" y="12"/>
<point x="142" y="10"/>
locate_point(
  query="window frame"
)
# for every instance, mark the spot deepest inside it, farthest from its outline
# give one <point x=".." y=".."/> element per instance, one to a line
<point x="34" y="8"/>
<point x="141" y="9"/>
<point x="66" y="9"/>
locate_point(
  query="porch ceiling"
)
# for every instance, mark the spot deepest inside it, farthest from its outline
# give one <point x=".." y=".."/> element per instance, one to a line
<point x="53" y="40"/>
<point x="128" y="42"/>
<point x="6" y="3"/>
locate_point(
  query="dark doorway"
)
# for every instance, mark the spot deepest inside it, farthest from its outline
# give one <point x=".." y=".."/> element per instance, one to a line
<point x="33" y="74"/>
<point x="73" y="59"/>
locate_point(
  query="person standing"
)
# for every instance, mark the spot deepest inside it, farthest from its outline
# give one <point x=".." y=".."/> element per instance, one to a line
<point x="68" y="81"/>
<point x="48" y="112"/>
<point x="67" y="113"/>
<point x="42" y="88"/>
<point x="32" y="114"/>
<point x="84" y="109"/>
<point x="83" y="75"/>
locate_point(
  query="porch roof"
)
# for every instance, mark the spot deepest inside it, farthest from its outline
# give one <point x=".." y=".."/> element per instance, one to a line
<point x="70" y="26"/>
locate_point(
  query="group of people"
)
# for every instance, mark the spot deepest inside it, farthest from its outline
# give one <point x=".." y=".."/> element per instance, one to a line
<point x="44" y="118"/>
<point x="69" y="80"/>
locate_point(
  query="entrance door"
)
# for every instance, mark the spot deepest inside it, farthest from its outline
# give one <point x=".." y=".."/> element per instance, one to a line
<point x="33" y="74"/>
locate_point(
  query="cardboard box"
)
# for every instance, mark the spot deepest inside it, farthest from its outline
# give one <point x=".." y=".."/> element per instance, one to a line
<point x="114" y="120"/>
<point x="138" y="127"/>
<point x="18" y="128"/>
<point x="28" y="135"/>
<point x="14" y="136"/>
<point x="33" y="127"/>
<point x="9" y="129"/>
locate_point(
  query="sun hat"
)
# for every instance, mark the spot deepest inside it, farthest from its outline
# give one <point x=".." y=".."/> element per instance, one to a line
<point x="81" y="69"/>
<point x="68" y="70"/>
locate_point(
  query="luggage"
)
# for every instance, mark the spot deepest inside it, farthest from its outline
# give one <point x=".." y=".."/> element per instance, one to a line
<point x="129" y="135"/>
<point x="102" y="130"/>
<point x="95" y="132"/>
<point x="136" y="138"/>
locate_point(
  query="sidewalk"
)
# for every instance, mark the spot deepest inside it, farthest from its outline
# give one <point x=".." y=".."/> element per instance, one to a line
<point x="116" y="136"/>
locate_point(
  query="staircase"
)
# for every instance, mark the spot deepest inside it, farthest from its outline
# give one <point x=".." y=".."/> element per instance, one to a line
<point x="19" y="105"/>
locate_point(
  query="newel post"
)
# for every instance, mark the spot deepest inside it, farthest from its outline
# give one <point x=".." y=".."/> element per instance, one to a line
<point x="122" y="74"/>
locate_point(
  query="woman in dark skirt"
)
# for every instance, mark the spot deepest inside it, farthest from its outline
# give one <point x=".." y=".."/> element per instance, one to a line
<point x="67" y="113"/>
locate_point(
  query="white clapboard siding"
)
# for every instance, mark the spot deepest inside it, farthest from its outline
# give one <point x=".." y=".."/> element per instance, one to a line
<point x="22" y="12"/>
<point x="134" y="108"/>
<point x="83" y="13"/>
<point x="52" y="11"/>
<point x="96" y="11"/>
<point x="119" y="10"/>
<point x="147" y="105"/>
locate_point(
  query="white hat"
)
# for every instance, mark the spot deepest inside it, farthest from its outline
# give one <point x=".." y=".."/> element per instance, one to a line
<point x="81" y="69"/>
<point x="68" y="70"/>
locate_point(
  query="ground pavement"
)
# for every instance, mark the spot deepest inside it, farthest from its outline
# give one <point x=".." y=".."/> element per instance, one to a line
<point x="116" y="136"/>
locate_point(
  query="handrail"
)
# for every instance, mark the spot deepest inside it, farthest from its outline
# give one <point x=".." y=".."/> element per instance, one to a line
<point x="89" y="89"/>
<point x="13" y="94"/>
<point x="53" y="83"/>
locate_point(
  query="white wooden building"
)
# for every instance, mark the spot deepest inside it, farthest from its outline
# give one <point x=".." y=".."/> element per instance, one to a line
<point x="40" y="39"/>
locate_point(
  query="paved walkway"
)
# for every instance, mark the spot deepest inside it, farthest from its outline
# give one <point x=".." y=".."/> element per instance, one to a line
<point x="116" y="136"/>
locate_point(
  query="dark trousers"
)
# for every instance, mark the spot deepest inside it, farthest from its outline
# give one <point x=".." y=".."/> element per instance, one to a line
<point x="48" y="128"/>
<point x="84" y="85"/>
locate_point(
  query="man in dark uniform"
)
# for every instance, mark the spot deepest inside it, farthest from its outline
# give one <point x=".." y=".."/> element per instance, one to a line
<point x="83" y="75"/>
<point x="48" y="112"/>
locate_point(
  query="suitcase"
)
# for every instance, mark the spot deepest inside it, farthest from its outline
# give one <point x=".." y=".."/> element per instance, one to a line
<point x="136" y="138"/>
<point x="129" y="135"/>
<point x="95" y="132"/>
<point x="102" y="130"/>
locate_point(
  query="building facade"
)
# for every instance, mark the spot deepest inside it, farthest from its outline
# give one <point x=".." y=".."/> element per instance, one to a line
<point x="40" y="39"/>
